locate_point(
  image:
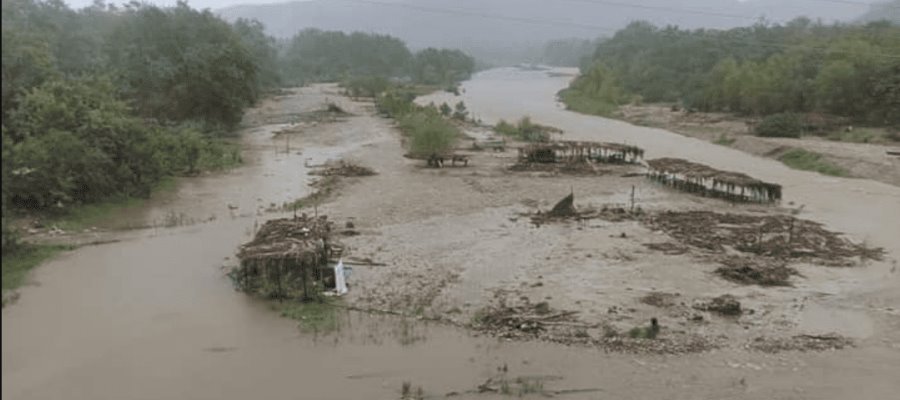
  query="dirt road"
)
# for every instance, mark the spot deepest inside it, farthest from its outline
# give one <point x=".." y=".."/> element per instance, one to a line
<point x="154" y="317"/>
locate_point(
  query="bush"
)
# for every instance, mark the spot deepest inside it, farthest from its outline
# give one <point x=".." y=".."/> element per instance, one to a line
<point x="525" y="130"/>
<point x="780" y="125"/>
<point x="370" y="86"/>
<point x="460" y="112"/>
<point x="429" y="133"/>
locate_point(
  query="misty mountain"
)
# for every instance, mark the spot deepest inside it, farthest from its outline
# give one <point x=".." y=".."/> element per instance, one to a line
<point x="502" y="31"/>
<point x="883" y="11"/>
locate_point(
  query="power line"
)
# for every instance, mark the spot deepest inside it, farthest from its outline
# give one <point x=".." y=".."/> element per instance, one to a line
<point x="465" y="13"/>
<point x="592" y="27"/>
<point x="857" y="3"/>
<point x="662" y="8"/>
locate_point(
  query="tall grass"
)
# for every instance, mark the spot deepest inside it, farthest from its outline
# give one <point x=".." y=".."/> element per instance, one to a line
<point x="579" y="102"/>
<point x="810" y="161"/>
<point x="16" y="265"/>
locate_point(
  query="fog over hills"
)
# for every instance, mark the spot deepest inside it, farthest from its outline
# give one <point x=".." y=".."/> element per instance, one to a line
<point x="505" y="30"/>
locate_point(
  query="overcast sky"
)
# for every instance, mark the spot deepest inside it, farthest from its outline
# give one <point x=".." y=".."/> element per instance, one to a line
<point x="214" y="4"/>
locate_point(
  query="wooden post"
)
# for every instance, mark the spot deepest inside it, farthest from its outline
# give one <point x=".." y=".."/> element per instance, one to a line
<point x="303" y="275"/>
<point x="791" y="232"/>
<point x="632" y="198"/>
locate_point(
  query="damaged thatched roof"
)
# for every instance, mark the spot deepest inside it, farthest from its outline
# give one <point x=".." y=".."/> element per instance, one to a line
<point x="691" y="170"/>
<point x="569" y="144"/>
<point x="296" y="238"/>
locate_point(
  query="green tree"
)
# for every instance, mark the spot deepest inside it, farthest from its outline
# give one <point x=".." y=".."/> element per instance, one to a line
<point x="441" y="66"/>
<point x="181" y="64"/>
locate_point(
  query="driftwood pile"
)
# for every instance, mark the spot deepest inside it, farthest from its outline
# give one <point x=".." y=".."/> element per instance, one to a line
<point x="725" y="304"/>
<point x="527" y="321"/>
<point x="780" y="236"/>
<point x="760" y="246"/>
<point x="763" y="271"/>
<point x="800" y="343"/>
<point x="344" y="169"/>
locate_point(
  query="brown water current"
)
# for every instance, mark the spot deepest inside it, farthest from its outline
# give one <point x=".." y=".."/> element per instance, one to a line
<point x="154" y="316"/>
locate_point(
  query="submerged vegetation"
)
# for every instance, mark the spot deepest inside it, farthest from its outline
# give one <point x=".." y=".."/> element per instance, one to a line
<point x="29" y="256"/>
<point x="313" y="316"/>
<point x="810" y="161"/>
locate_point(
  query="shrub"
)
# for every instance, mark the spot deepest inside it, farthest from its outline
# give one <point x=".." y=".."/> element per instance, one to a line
<point x="525" y="130"/>
<point x="429" y="133"/>
<point x="780" y="125"/>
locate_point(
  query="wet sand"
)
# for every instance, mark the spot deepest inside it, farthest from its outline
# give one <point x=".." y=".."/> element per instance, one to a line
<point x="155" y="317"/>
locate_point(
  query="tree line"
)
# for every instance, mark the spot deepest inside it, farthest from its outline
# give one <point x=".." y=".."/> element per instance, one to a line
<point x="322" y="56"/>
<point x="802" y="66"/>
<point x="107" y="101"/>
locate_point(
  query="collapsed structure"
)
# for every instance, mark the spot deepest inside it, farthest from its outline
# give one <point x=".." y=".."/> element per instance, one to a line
<point x="288" y="257"/>
<point x="574" y="152"/>
<point x="698" y="178"/>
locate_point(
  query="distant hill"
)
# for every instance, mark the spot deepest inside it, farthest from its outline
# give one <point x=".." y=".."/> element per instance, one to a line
<point x="512" y="30"/>
<point x="889" y="11"/>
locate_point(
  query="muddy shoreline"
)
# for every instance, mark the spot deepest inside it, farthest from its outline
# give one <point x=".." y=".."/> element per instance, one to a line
<point x="860" y="160"/>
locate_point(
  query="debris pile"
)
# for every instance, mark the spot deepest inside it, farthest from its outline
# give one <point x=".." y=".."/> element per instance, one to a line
<point x="344" y="169"/>
<point x="763" y="271"/>
<point x="660" y="299"/>
<point x="527" y="321"/>
<point x="778" y="236"/>
<point x="800" y="343"/>
<point x="707" y="181"/>
<point x="671" y="344"/>
<point x="565" y="210"/>
<point x="725" y="304"/>
<point x="668" y="248"/>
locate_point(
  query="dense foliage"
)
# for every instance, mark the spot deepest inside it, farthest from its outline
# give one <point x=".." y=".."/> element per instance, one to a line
<point x="325" y="56"/>
<point x="802" y="66"/>
<point x="426" y="130"/>
<point x="441" y="66"/>
<point x="780" y="125"/>
<point x="105" y="101"/>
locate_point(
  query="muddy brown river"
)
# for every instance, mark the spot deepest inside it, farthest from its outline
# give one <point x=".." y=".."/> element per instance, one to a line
<point x="154" y="317"/>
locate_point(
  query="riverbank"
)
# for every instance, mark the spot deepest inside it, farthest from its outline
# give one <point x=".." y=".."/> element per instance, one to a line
<point x="861" y="153"/>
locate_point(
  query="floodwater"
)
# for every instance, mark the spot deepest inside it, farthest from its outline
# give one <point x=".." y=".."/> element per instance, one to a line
<point x="154" y="317"/>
